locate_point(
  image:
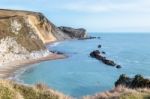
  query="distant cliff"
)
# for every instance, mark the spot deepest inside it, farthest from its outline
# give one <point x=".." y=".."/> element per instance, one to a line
<point x="23" y="35"/>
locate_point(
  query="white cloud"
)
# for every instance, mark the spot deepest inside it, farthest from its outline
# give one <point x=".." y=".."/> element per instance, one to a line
<point x="95" y="15"/>
<point x="107" y="6"/>
<point x="86" y="7"/>
<point x="137" y="6"/>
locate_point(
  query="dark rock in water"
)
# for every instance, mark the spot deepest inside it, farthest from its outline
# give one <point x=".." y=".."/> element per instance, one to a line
<point x="85" y="38"/>
<point x="98" y="37"/>
<point x="103" y="52"/>
<point x="99" y="46"/>
<point x="56" y="52"/>
<point x="108" y="62"/>
<point x="137" y="82"/>
<point x="118" y="66"/>
<point x="74" y="33"/>
<point x="96" y="54"/>
<point x="89" y="37"/>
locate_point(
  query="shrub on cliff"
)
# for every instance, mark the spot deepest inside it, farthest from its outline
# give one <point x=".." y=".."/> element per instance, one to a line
<point x="137" y="82"/>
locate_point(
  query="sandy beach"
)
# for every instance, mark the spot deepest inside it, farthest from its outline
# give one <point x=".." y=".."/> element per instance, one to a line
<point x="7" y="70"/>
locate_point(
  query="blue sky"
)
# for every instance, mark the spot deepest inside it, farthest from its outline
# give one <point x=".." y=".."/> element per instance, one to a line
<point x="94" y="15"/>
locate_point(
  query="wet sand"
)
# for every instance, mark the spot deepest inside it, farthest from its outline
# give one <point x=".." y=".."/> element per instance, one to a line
<point x="7" y="70"/>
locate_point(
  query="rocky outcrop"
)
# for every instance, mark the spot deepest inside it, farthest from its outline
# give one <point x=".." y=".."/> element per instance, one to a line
<point x="73" y="33"/>
<point x="36" y="22"/>
<point x="89" y="37"/>
<point x="23" y="35"/>
<point x="99" y="46"/>
<point x="98" y="55"/>
<point x="137" y="82"/>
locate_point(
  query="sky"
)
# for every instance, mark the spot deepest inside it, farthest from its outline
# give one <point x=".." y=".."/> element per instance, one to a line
<point x="93" y="15"/>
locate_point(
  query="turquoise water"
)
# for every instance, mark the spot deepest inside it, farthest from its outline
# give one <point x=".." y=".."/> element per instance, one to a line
<point x="80" y="75"/>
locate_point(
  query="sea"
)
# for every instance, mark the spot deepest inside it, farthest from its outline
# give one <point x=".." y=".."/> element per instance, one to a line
<point x="80" y="75"/>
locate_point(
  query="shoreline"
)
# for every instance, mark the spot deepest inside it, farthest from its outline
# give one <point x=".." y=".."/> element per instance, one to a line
<point x="9" y="70"/>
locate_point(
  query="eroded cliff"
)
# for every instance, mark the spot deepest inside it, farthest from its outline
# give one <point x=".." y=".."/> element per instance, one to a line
<point x="23" y="35"/>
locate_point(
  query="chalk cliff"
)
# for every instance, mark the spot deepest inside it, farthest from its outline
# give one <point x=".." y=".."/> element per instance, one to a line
<point x="23" y="35"/>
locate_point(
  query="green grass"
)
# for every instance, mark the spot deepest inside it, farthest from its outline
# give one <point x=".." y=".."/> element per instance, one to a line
<point x="11" y="90"/>
<point x="121" y="92"/>
<point x="6" y="92"/>
<point x="33" y="93"/>
<point x="133" y="96"/>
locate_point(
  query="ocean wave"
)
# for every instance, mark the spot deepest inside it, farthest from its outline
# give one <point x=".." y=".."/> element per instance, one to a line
<point x="17" y="74"/>
<point x="54" y="44"/>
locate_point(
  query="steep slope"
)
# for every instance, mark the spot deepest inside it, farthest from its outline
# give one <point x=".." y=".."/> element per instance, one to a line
<point x="11" y="90"/>
<point x="23" y="35"/>
<point x="39" y="24"/>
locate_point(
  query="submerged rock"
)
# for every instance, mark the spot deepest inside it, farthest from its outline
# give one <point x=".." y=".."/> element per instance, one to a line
<point x="103" y="52"/>
<point x="118" y="66"/>
<point x="98" y="37"/>
<point x="108" y="62"/>
<point x="136" y="82"/>
<point x="99" y="46"/>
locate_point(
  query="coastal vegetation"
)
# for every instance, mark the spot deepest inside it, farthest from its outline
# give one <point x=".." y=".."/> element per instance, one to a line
<point x="121" y="92"/>
<point x="136" y="82"/>
<point x="23" y="36"/>
<point x="137" y="87"/>
<point x="11" y="90"/>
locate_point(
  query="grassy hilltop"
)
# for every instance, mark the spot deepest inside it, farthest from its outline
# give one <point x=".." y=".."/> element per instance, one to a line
<point x="11" y="90"/>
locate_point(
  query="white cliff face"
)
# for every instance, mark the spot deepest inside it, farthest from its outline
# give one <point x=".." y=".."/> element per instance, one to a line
<point x="11" y="51"/>
<point x="15" y="26"/>
<point x="9" y="44"/>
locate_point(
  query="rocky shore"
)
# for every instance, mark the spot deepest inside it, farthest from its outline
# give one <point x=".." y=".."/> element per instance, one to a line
<point x="74" y="33"/>
<point x="13" y="90"/>
<point x="24" y="35"/>
<point x="23" y="39"/>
